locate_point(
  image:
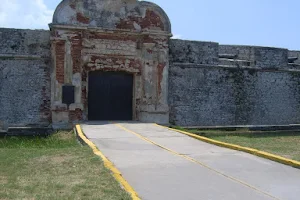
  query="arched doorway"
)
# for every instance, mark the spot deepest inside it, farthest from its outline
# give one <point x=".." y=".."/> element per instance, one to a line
<point x="110" y="96"/>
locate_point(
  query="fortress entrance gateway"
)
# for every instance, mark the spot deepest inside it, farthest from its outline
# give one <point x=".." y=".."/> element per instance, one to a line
<point x="115" y="54"/>
<point x="110" y="96"/>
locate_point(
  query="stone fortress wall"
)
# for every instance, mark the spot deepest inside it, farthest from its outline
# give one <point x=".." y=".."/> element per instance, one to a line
<point x="25" y="64"/>
<point x="225" y="85"/>
<point x="188" y="83"/>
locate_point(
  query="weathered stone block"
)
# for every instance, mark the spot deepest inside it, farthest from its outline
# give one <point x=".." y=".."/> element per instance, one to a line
<point x="239" y="52"/>
<point x="270" y="58"/>
<point x="25" y="42"/>
<point x="194" y="52"/>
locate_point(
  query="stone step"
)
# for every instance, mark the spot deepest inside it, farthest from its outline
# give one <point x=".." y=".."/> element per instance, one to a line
<point x="2" y="128"/>
<point x="3" y="132"/>
<point x="27" y="131"/>
<point x="235" y="62"/>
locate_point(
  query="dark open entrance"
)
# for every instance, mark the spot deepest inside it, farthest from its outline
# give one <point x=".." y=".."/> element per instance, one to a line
<point x="110" y="96"/>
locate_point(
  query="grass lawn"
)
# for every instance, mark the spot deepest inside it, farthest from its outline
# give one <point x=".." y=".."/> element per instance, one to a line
<point x="56" y="167"/>
<point x="283" y="143"/>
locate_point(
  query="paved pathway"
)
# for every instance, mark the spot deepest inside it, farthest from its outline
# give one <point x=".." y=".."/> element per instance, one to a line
<point x="161" y="164"/>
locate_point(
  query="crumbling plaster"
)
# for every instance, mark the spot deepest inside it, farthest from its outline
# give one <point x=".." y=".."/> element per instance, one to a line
<point x="128" y="36"/>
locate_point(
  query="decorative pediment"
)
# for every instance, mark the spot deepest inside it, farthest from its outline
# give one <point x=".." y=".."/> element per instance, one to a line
<point x="112" y="14"/>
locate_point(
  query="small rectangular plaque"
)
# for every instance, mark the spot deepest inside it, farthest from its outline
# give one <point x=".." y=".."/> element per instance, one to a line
<point x="68" y="94"/>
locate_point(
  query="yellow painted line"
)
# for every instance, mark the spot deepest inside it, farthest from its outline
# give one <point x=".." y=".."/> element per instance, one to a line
<point x="108" y="164"/>
<point x="256" y="152"/>
<point x="196" y="161"/>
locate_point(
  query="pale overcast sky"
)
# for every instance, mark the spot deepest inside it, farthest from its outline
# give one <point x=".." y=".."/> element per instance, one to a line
<point x="253" y="22"/>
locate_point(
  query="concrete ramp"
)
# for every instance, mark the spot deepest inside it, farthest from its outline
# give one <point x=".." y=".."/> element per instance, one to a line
<point x="162" y="164"/>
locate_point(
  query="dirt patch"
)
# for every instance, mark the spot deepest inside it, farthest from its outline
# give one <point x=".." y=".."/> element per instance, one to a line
<point x="3" y="180"/>
<point x="65" y="135"/>
<point x="54" y="160"/>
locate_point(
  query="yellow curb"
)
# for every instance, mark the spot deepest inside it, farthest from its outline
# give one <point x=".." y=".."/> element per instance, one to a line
<point x="108" y="164"/>
<point x="256" y="152"/>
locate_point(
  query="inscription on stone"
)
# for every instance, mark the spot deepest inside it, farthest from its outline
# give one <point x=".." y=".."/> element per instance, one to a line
<point x="116" y="47"/>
